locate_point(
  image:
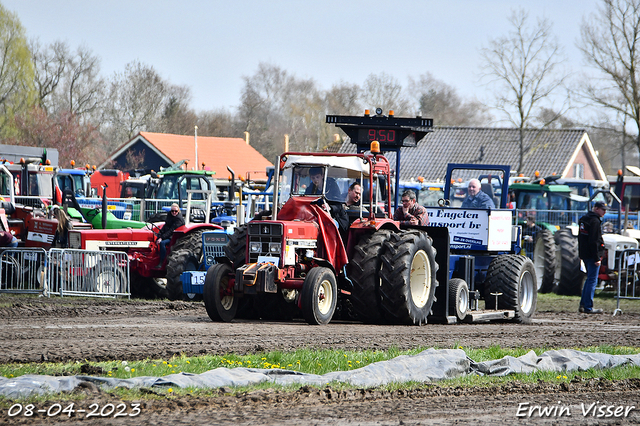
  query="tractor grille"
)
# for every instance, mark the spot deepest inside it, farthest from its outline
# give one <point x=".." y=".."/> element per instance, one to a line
<point x="264" y="238"/>
<point x="213" y="244"/>
<point x="75" y="241"/>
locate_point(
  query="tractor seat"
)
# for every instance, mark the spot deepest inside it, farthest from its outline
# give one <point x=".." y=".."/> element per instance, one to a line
<point x="8" y="207"/>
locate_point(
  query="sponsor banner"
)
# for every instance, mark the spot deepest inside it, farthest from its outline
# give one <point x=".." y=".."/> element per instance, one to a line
<point x="474" y="229"/>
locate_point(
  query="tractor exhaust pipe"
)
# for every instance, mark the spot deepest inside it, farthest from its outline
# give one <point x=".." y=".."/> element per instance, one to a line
<point x="104" y="206"/>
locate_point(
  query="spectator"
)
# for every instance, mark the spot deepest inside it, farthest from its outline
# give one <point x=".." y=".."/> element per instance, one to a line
<point x="7" y="239"/>
<point x="411" y="213"/>
<point x="530" y="234"/>
<point x="174" y="221"/>
<point x="476" y="198"/>
<point x="591" y="250"/>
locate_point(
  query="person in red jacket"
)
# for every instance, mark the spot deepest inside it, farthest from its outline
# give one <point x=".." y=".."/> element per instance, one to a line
<point x="7" y="239"/>
<point x="591" y="250"/>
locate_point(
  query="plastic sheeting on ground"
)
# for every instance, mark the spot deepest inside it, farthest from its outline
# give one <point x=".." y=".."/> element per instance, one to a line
<point x="427" y="366"/>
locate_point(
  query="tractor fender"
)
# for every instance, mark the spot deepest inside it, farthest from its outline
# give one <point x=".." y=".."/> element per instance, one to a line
<point x="187" y="229"/>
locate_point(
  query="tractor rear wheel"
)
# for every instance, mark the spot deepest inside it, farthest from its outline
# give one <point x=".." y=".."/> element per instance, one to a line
<point x="235" y="250"/>
<point x="458" y="298"/>
<point x="185" y="255"/>
<point x="514" y="276"/>
<point x="319" y="296"/>
<point x="364" y="273"/>
<point x="408" y="284"/>
<point x="544" y="260"/>
<point x="568" y="274"/>
<point x="219" y="299"/>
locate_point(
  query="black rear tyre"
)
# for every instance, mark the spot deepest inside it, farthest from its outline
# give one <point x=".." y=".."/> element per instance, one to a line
<point x="514" y="276"/>
<point x="408" y="275"/>
<point x="544" y="260"/>
<point x="219" y="300"/>
<point x="568" y="274"/>
<point x="235" y="250"/>
<point x="364" y="273"/>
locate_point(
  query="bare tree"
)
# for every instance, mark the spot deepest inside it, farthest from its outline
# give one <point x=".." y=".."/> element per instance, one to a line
<point x="384" y="91"/>
<point x="49" y="63"/>
<point x="220" y="123"/>
<point x="344" y="99"/>
<point x="137" y="99"/>
<point x="83" y="89"/>
<point x="610" y="44"/>
<point x="438" y="100"/>
<point x="275" y="103"/>
<point x="524" y="68"/>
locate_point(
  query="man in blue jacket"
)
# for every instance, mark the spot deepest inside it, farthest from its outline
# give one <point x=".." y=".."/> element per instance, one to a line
<point x="476" y="198"/>
<point x="591" y="250"/>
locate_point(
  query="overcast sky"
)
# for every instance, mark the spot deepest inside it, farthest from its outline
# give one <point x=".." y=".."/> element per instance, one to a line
<point x="209" y="45"/>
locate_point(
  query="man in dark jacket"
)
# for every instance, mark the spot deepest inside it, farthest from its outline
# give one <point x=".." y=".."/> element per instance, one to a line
<point x="591" y="250"/>
<point x="174" y="221"/>
<point x="530" y="235"/>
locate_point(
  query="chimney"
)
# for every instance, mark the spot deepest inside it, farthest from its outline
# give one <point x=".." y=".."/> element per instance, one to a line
<point x="286" y="143"/>
<point x="246" y="137"/>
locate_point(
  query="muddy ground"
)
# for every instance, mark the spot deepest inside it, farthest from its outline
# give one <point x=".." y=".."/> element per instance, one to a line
<point x="41" y="329"/>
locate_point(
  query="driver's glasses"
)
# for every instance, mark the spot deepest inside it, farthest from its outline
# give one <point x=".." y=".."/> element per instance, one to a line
<point x="174" y="211"/>
<point x="405" y="200"/>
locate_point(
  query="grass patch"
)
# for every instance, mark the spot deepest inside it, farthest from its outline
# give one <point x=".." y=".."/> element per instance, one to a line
<point x="306" y="361"/>
<point x="603" y="299"/>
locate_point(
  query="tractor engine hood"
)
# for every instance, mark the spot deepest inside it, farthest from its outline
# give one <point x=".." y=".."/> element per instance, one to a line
<point x="121" y="239"/>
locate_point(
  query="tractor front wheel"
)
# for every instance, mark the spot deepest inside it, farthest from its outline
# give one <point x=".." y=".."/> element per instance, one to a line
<point x="219" y="299"/>
<point x="458" y="298"/>
<point x="319" y="296"/>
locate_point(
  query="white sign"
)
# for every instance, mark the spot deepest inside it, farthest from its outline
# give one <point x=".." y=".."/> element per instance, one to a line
<point x="471" y="227"/>
<point x="466" y="227"/>
<point x="269" y="259"/>
<point x="197" y="277"/>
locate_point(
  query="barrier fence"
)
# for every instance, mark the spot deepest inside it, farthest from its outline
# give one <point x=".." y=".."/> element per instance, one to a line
<point x="566" y="218"/>
<point x="628" y="277"/>
<point x="65" y="272"/>
<point x="22" y="270"/>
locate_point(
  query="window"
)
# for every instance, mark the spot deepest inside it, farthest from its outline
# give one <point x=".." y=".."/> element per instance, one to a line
<point x="578" y="170"/>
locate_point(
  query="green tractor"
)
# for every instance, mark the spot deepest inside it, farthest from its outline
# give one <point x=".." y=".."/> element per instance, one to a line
<point x="555" y="209"/>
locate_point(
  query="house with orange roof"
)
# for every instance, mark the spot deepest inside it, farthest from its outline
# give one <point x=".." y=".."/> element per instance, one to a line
<point x="153" y="151"/>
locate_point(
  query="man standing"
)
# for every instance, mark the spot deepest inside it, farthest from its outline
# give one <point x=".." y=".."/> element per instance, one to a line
<point x="530" y="234"/>
<point x="411" y="213"/>
<point x="174" y="221"/>
<point x="591" y="250"/>
<point x="476" y="198"/>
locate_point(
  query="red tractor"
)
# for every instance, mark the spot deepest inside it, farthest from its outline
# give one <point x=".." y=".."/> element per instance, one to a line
<point x="147" y="279"/>
<point x="297" y="259"/>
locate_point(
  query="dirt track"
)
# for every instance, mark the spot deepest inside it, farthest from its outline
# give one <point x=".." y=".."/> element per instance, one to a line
<point x="56" y="329"/>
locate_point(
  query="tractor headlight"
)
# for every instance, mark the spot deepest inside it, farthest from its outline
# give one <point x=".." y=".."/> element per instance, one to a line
<point x="210" y="260"/>
<point x="274" y="247"/>
<point x="255" y="247"/>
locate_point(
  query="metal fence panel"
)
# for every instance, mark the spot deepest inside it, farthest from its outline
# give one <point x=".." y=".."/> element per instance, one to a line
<point x="22" y="270"/>
<point x="73" y="272"/>
<point x="567" y="218"/>
<point x="628" y="277"/>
